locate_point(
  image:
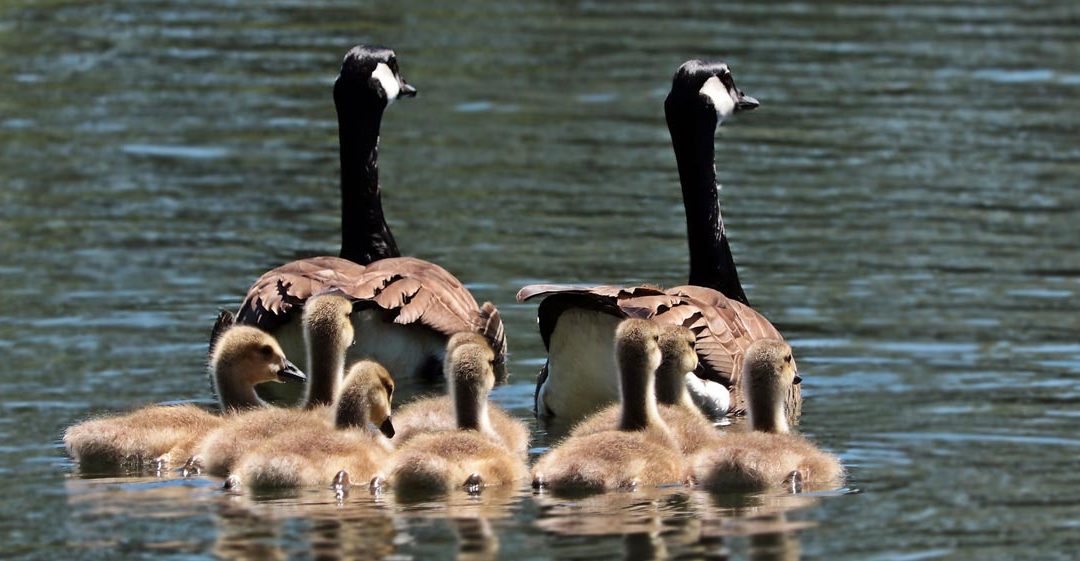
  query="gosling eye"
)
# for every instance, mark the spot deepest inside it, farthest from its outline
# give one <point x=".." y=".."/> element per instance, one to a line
<point x="787" y="358"/>
<point x="266" y="351"/>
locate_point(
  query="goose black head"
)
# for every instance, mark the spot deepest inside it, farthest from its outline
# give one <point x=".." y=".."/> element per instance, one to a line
<point x="707" y="85"/>
<point x="371" y="71"/>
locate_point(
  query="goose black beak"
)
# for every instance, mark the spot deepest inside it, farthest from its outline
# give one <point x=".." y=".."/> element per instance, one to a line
<point x="406" y="89"/>
<point x="746" y="103"/>
<point x="387" y="428"/>
<point x="289" y="371"/>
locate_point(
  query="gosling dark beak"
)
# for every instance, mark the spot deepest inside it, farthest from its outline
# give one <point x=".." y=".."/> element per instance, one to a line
<point x="797" y="380"/>
<point x="289" y="371"/>
<point x="387" y="428"/>
<point x="406" y="89"/>
<point x="746" y="103"/>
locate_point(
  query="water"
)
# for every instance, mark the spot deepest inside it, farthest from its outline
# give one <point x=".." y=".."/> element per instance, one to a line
<point x="903" y="207"/>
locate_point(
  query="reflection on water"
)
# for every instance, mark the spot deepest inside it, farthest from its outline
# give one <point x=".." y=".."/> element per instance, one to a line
<point x="902" y="206"/>
<point x="645" y="524"/>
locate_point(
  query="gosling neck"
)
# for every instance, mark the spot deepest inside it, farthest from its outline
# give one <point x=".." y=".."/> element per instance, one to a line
<point x="327" y="364"/>
<point x="711" y="262"/>
<point x="639" y="411"/>
<point x="365" y="235"/>
<point x="234" y="392"/>
<point x="471" y="409"/>
<point x="353" y="410"/>
<point x="671" y="387"/>
<point x="765" y="408"/>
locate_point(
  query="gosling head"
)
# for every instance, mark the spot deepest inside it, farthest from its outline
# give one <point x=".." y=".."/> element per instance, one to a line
<point x="637" y="346"/>
<point x="768" y="372"/>
<point x="469" y="366"/>
<point x="706" y="89"/>
<point x="678" y="360"/>
<point x="248" y="356"/>
<point x="365" y="398"/>
<point x="457" y="340"/>
<point x="327" y="322"/>
<point x="370" y="72"/>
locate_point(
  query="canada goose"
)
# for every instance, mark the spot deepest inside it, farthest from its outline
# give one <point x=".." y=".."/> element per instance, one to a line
<point x="161" y="435"/>
<point x="768" y="456"/>
<point x="328" y="332"/>
<point x="472" y="456"/>
<point x="314" y="455"/>
<point x="692" y="431"/>
<point x="439" y="414"/>
<point x="576" y="322"/>
<point x="406" y="307"/>
<point x="642" y="450"/>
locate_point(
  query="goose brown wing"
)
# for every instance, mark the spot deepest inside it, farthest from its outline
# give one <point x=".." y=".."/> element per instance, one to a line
<point x="724" y="329"/>
<point x="619" y="301"/>
<point x="414" y="291"/>
<point x="279" y="291"/>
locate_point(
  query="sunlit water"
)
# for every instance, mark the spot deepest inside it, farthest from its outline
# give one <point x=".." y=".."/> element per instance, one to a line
<point x="903" y="206"/>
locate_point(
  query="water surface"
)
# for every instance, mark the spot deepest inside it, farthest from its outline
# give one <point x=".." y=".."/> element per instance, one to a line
<point x="903" y="206"/>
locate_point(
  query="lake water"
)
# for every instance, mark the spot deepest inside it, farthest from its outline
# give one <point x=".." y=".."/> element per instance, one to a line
<point x="903" y="206"/>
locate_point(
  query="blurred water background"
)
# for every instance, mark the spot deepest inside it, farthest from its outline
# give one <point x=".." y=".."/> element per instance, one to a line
<point x="903" y="206"/>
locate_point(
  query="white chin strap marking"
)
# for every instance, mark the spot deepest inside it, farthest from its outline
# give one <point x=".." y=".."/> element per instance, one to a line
<point x="387" y="80"/>
<point x="721" y="99"/>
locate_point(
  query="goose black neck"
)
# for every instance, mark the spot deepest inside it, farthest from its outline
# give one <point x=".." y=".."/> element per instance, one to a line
<point x="711" y="262"/>
<point x="365" y="235"/>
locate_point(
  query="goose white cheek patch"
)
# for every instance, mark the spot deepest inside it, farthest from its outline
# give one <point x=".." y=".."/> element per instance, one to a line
<point x="721" y="99"/>
<point x="387" y="80"/>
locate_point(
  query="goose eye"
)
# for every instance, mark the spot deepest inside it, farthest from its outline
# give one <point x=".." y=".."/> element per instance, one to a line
<point x="787" y="358"/>
<point x="267" y="351"/>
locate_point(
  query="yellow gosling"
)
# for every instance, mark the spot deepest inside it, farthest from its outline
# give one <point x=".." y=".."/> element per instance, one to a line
<point x="472" y="456"/>
<point x="328" y="333"/>
<point x="692" y="431"/>
<point x="314" y="456"/>
<point x="162" y="436"/>
<point x="438" y="414"/>
<point x="769" y="456"/>
<point x="642" y="450"/>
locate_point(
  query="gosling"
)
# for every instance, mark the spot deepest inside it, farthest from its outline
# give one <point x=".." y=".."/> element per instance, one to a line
<point x="312" y="455"/>
<point x="328" y="333"/>
<point x="162" y="436"/>
<point x="470" y="456"/>
<point x="768" y="456"/>
<point x="439" y="414"/>
<point x="642" y="451"/>
<point x="691" y="429"/>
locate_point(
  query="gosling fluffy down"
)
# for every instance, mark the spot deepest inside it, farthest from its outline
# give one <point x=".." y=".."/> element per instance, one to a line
<point x="473" y="456"/>
<point x="642" y="451"/>
<point x="315" y="456"/>
<point x="164" y="436"/>
<point x="768" y="456"/>
<point x="692" y="431"/>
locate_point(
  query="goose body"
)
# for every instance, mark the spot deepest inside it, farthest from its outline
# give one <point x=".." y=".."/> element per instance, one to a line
<point x="313" y="455"/>
<point x="769" y="455"/>
<point x="714" y="305"/>
<point x="641" y="450"/>
<point x="473" y="455"/>
<point x="407" y="307"/>
<point x="328" y="332"/>
<point x="161" y="436"/>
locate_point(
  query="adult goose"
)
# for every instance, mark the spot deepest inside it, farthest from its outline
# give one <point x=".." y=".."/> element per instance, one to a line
<point x="577" y="323"/>
<point x="405" y="308"/>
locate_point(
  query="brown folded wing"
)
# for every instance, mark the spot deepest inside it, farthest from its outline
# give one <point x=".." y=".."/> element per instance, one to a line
<point x="410" y="290"/>
<point x="724" y="328"/>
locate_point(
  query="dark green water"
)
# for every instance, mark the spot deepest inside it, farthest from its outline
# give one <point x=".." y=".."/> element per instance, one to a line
<point x="903" y="206"/>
